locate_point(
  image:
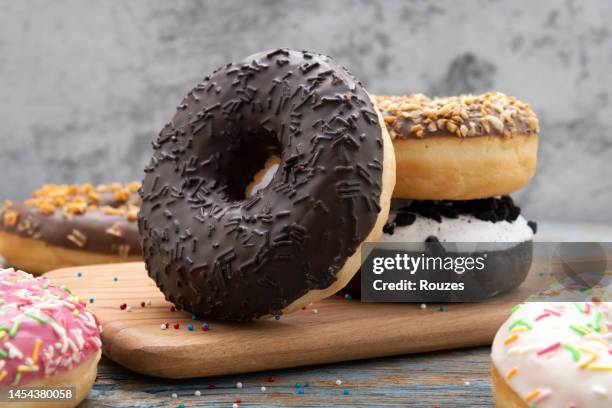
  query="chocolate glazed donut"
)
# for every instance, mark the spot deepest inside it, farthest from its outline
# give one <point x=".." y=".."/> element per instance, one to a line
<point x="217" y="254"/>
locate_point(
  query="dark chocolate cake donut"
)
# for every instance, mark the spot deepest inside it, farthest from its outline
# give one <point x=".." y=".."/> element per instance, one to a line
<point x="218" y="254"/>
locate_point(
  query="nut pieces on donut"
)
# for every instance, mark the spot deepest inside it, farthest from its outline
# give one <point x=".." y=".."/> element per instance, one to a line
<point x="71" y="225"/>
<point x="460" y="147"/>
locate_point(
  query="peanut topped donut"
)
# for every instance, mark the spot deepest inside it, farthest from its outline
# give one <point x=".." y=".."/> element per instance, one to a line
<point x="460" y="147"/>
<point x="48" y="338"/>
<point x="218" y="254"/>
<point x="69" y="225"/>
<point x="554" y="354"/>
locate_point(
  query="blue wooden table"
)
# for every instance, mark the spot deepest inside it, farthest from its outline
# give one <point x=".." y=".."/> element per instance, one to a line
<point x="457" y="378"/>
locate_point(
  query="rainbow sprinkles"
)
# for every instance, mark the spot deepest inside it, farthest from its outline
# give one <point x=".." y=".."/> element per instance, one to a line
<point x="44" y="330"/>
<point x="554" y="354"/>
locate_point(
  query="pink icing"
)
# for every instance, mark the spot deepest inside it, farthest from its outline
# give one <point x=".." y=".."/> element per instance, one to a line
<point x="35" y="315"/>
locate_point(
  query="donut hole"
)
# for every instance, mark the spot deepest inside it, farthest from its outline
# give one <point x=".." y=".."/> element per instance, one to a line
<point x="263" y="177"/>
<point x="253" y="167"/>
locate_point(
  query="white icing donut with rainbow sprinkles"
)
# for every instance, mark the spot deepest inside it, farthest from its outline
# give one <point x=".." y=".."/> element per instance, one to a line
<point x="554" y="354"/>
<point x="48" y="338"/>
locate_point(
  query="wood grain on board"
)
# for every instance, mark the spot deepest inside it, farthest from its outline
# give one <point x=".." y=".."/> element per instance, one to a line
<point x="338" y="330"/>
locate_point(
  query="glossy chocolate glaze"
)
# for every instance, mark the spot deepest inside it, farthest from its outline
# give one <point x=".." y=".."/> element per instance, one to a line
<point x="219" y="255"/>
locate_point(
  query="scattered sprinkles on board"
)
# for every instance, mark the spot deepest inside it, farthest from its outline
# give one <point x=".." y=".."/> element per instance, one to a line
<point x="44" y="329"/>
<point x="572" y="338"/>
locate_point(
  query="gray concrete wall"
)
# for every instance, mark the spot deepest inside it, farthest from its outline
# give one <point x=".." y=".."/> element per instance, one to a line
<point x="86" y="85"/>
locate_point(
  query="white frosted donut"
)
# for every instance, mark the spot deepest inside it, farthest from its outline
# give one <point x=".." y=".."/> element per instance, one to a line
<point x="465" y="229"/>
<point x="554" y="354"/>
<point x="48" y="338"/>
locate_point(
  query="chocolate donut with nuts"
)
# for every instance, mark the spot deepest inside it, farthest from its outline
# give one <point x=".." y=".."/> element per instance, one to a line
<point x="71" y="225"/>
<point x="462" y="147"/>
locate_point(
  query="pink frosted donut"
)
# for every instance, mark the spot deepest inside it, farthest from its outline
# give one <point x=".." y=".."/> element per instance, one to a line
<point x="48" y="338"/>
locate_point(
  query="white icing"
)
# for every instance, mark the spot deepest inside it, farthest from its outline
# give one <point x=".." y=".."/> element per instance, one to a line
<point x="555" y="374"/>
<point x="465" y="229"/>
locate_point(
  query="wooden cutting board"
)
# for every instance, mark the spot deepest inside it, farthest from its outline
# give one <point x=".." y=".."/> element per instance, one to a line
<point x="332" y="330"/>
